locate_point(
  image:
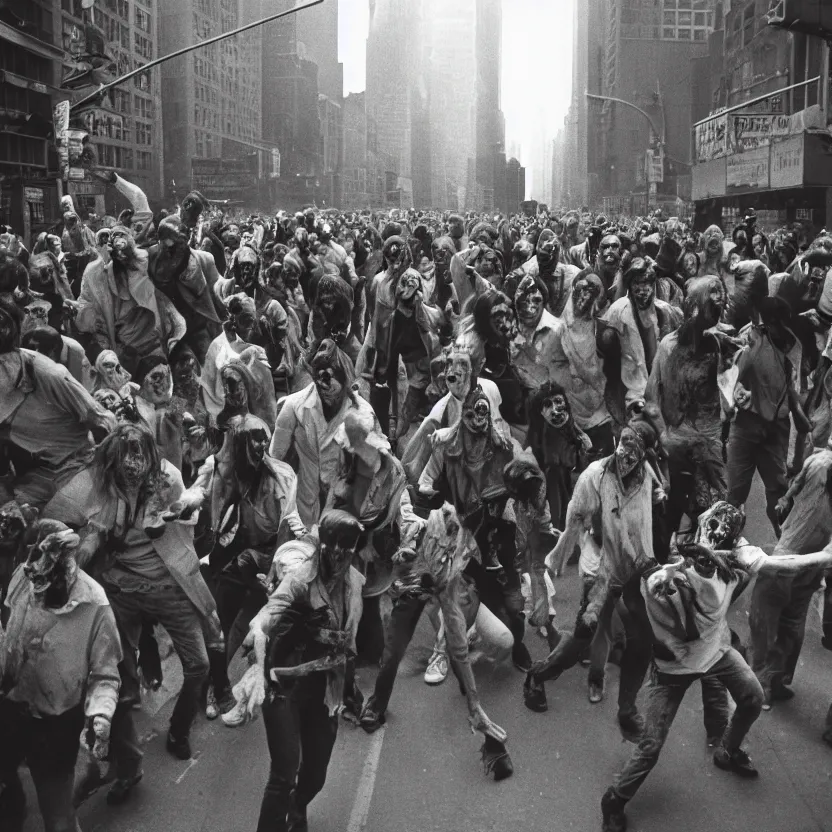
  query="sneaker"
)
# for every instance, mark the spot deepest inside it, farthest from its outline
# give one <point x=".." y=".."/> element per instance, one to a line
<point x="121" y="788"/>
<point x="180" y="747"/>
<point x="534" y="695"/>
<point x="737" y="761"/>
<point x="520" y="657"/>
<point x="632" y="726"/>
<point x="236" y="716"/>
<point x="437" y="670"/>
<point x="595" y="692"/>
<point x="612" y="812"/>
<point x="212" y="708"/>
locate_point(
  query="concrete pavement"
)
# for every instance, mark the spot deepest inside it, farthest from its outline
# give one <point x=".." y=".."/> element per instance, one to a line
<point x="421" y="773"/>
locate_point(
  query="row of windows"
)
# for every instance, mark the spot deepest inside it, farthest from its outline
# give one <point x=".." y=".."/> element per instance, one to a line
<point x="209" y="95"/>
<point x="204" y="117"/>
<point x="207" y="146"/>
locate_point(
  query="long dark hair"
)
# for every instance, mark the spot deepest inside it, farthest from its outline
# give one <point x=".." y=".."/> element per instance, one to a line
<point x="109" y="456"/>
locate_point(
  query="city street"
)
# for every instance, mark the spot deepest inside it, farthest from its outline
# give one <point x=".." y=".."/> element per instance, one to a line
<point x="421" y="772"/>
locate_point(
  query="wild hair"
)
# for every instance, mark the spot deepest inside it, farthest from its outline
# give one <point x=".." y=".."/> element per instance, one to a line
<point x="109" y="459"/>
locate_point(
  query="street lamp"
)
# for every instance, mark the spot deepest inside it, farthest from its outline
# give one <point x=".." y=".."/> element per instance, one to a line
<point x="659" y="134"/>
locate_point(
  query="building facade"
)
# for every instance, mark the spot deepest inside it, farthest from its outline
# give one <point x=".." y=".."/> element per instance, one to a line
<point x="126" y="129"/>
<point x="639" y="51"/>
<point x="30" y="73"/>
<point x="773" y="154"/>
<point x="212" y="101"/>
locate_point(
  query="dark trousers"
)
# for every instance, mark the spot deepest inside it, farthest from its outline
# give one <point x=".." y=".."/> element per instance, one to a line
<point x="757" y="445"/>
<point x="240" y="596"/>
<point x="664" y="696"/>
<point x="177" y="614"/>
<point x="501" y="591"/>
<point x="407" y="610"/>
<point x="49" y="747"/>
<point x="779" y="606"/>
<point x="301" y="735"/>
<point x="635" y="659"/>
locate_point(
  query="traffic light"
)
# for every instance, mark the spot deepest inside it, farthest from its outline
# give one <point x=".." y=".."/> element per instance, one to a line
<point x="810" y="17"/>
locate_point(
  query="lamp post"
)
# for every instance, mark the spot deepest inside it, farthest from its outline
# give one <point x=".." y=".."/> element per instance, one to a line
<point x="659" y="134"/>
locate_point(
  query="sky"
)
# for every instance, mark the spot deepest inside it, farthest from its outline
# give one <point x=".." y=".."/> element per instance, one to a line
<point x="536" y="72"/>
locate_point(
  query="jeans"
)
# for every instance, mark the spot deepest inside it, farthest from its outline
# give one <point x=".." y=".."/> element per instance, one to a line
<point x="301" y="735"/>
<point x="176" y="613"/>
<point x="664" y="696"/>
<point x="757" y="445"/>
<point x="637" y="652"/>
<point x="779" y="606"/>
<point x="49" y="747"/>
<point x="240" y="596"/>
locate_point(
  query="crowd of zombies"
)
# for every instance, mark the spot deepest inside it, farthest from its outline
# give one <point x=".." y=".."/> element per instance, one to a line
<point x="288" y="436"/>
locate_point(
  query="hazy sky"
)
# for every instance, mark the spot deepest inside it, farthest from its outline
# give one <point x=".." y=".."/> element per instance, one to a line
<point x="537" y="64"/>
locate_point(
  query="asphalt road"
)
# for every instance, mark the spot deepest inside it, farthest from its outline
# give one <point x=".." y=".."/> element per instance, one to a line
<point x="421" y="772"/>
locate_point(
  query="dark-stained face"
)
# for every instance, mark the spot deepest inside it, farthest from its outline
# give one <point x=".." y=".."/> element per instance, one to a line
<point x="689" y="264"/>
<point x="715" y="305"/>
<point x="108" y="399"/>
<point x="529" y="305"/>
<point x="629" y="452"/>
<point x="458" y="375"/>
<point x="156" y="387"/>
<point x="456" y="229"/>
<point x="476" y="415"/>
<point x="610" y="252"/>
<point x="584" y="295"/>
<point x="234" y="389"/>
<point x="555" y="411"/>
<point x="122" y="248"/>
<point x="184" y="367"/>
<point x="112" y="373"/>
<point x="134" y="466"/>
<point x="488" y="264"/>
<point x="330" y="389"/>
<point x="243" y="322"/>
<point x="643" y="290"/>
<point x="546" y="251"/>
<point x="501" y="321"/>
<point x="407" y="287"/>
<point x="256" y="443"/>
<point x="247" y="273"/>
<point x="51" y="569"/>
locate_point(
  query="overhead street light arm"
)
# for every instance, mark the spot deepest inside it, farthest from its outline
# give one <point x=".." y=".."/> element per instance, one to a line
<point x="184" y="51"/>
<point x="656" y="131"/>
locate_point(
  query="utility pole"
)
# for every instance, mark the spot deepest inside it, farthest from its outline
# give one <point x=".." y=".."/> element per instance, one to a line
<point x="105" y="88"/>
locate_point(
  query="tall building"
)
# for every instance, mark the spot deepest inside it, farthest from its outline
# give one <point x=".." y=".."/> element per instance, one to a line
<point x="449" y="73"/>
<point x="126" y="129"/>
<point x="772" y="154"/>
<point x="302" y="103"/>
<point x="648" y="47"/>
<point x="392" y="59"/>
<point x="490" y="132"/>
<point x="212" y="101"/>
<point x="30" y="60"/>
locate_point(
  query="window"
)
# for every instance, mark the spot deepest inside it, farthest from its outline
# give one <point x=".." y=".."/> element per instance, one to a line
<point x="142" y="80"/>
<point x="669" y="19"/>
<point x="143" y="160"/>
<point x="142" y="20"/>
<point x="144" y="133"/>
<point x="143" y="46"/>
<point x="144" y="107"/>
<point x="121" y="101"/>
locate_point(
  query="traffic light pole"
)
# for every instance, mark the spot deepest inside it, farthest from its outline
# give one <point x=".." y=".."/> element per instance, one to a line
<point x="105" y="88"/>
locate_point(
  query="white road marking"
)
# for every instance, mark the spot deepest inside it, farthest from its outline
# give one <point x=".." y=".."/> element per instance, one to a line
<point x="367" y="783"/>
<point x="191" y="763"/>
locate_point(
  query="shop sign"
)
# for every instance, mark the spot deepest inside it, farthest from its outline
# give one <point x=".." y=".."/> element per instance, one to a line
<point x="804" y="214"/>
<point x="749" y="132"/>
<point x="749" y="169"/>
<point x="787" y="163"/>
<point x="33" y="194"/>
<point x="711" y="139"/>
